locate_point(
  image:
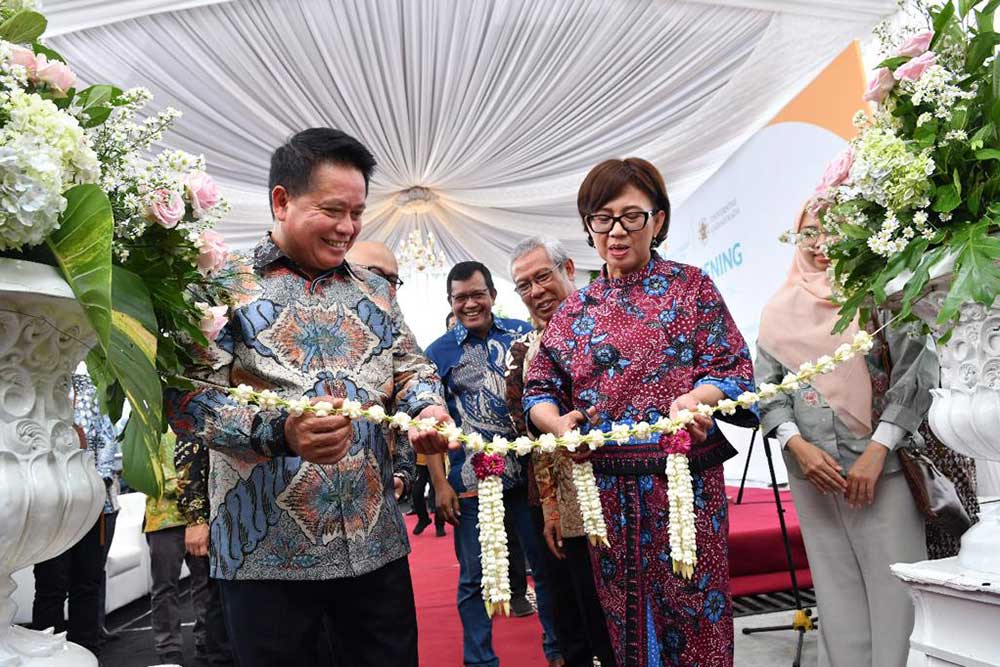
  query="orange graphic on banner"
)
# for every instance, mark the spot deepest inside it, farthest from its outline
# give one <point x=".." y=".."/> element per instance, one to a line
<point x="833" y="97"/>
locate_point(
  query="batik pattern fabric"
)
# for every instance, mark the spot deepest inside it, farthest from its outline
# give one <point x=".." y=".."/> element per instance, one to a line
<point x="340" y="334"/>
<point x="472" y="370"/>
<point x="550" y="474"/>
<point x="101" y="437"/>
<point x="629" y="347"/>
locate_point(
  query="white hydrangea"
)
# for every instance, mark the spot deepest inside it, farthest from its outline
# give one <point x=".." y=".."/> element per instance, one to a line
<point x="31" y="198"/>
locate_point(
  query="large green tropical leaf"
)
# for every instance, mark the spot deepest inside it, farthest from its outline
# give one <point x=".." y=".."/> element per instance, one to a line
<point x="23" y="27"/>
<point x="977" y="277"/>
<point x="132" y="359"/>
<point x="82" y="247"/>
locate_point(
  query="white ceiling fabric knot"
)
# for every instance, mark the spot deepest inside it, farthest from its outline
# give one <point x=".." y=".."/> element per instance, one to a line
<point x="497" y="108"/>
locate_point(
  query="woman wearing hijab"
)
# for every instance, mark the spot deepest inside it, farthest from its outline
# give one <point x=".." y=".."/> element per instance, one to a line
<point x="839" y="437"/>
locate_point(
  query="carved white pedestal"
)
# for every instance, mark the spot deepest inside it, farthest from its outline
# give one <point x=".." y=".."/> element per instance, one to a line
<point x="957" y="614"/>
<point x="50" y="492"/>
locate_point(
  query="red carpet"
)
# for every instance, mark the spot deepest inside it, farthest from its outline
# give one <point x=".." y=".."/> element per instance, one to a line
<point x="517" y="641"/>
<point x="756" y="561"/>
<point x="756" y="555"/>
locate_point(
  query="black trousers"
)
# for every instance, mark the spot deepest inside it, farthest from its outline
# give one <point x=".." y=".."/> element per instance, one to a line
<point x="580" y="623"/>
<point x="420" y="504"/>
<point x="77" y="573"/>
<point x="370" y="620"/>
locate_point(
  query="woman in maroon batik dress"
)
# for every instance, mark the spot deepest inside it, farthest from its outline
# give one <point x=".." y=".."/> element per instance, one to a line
<point x="648" y="337"/>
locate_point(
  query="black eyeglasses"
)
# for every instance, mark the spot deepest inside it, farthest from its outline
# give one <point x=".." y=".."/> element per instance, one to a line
<point x="392" y="278"/>
<point x="632" y="221"/>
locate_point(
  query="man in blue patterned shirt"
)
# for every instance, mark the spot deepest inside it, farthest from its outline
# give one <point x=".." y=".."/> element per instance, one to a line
<point x="470" y="358"/>
<point x="305" y="530"/>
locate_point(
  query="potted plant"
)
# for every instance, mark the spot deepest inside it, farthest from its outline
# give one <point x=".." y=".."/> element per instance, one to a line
<point x="101" y="246"/>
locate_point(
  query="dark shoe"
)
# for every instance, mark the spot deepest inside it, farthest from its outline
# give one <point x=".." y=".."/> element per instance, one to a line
<point x="421" y="524"/>
<point x="412" y="513"/>
<point x="439" y="531"/>
<point x="171" y="658"/>
<point x="108" y="636"/>
<point x="521" y="606"/>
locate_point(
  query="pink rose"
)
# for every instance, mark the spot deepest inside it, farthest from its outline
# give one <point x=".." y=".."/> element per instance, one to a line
<point x="25" y="58"/>
<point x="916" y="45"/>
<point x="914" y="69"/>
<point x="166" y="208"/>
<point x="213" y="252"/>
<point x="880" y="85"/>
<point x="201" y="191"/>
<point x="837" y="171"/>
<point x="54" y="73"/>
<point x="213" y="318"/>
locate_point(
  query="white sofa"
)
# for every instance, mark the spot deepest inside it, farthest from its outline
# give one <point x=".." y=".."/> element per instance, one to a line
<point x="128" y="563"/>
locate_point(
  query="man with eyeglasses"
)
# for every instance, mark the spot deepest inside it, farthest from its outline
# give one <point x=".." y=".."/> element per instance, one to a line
<point x="470" y="359"/>
<point x="543" y="273"/>
<point x="377" y="258"/>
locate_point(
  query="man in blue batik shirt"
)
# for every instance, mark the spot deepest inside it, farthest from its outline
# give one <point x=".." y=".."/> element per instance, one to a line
<point x="470" y="360"/>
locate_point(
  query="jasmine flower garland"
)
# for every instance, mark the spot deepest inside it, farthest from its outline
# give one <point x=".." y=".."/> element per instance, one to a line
<point x="488" y="462"/>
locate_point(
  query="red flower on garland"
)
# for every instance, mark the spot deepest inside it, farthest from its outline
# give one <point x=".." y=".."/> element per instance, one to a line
<point x="678" y="443"/>
<point x="487" y="465"/>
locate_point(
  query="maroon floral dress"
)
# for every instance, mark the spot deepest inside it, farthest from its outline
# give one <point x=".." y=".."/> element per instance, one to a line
<point x="630" y="346"/>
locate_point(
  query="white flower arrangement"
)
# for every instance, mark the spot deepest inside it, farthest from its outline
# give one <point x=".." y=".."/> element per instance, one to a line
<point x="590" y="503"/>
<point x="493" y="546"/>
<point x="492" y="535"/>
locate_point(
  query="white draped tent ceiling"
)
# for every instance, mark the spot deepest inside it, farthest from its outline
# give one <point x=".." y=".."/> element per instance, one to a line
<point x="484" y="115"/>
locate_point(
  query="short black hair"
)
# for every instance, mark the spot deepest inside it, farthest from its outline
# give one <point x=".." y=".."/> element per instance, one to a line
<point x="465" y="270"/>
<point x="447" y="320"/>
<point x="293" y="162"/>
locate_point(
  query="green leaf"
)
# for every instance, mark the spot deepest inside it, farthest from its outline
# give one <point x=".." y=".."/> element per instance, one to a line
<point x="132" y="356"/>
<point x="947" y="198"/>
<point x="98" y="95"/>
<point x="893" y="62"/>
<point x="991" y="6"/>
<point x="51" y="54"/>
<point x="964" y="6"/>
<point x="854" y="231"/>
<point x="941" y="20"/>
<point x="975" y="198"/>
<point x="921" y="274"/>
<point x="82" y="248"/>
<point x="849" y="310"/>
<point x="988" y="154"/>
<point x="984" y="21"/>
<point x="977" y="277"/>
<point x="23" y="27"/>
<point x="980" y="49"/>
<point x="980" y="136"/>
<point x="926" y="134"/>
<point x="94" y="116"/>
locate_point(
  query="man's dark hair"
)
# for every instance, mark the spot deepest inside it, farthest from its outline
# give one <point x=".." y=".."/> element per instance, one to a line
<point x="292" y="163"/>
<point x="447" y="320"/>
<point x="465" y="270"/>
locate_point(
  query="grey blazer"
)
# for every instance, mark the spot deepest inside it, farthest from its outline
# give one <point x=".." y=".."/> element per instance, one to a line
<point x="901" y="397"/>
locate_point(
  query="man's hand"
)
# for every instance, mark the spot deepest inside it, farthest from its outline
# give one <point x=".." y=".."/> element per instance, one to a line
<point x="323" y="440"/>
<point x="574" y="419"/>
<point x="196" y="539"/>
<point x="864" y="475"/>
<point x="447" y="502"/>
<point x="821" y="469"/>
<point x="430" y="442"/>
<point x="397" y="485"/>
<point x="698" y="429"/>
<point x="553" y="536"/>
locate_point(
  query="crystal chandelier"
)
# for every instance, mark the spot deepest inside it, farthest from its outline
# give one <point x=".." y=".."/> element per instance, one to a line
<point x="416" y="254"/>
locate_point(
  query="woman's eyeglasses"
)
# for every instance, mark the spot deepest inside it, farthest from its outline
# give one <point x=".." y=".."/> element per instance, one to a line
<point x="632" y="221"/>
